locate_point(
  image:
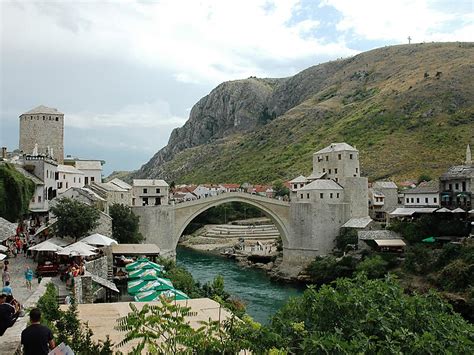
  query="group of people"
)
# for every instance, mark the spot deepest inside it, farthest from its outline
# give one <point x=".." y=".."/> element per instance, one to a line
<point x="73" y="271"/>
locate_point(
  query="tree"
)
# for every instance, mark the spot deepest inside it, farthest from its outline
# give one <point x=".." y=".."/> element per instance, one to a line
<point x="347" y="236"/>
<point x="370" y="316"/>
<point x="75" y="218"/>
<point x="374" y="267"/>
<point x="280" y="189"/>
<point x="124" y="224"/>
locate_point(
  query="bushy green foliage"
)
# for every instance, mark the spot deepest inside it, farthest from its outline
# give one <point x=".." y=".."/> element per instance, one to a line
<point x="16" y="192"/>
<point x="418" y="259"/>
<point x="325" y="269"/>
<point x="125" y="224"/>
<point x="370" y="316"/>
<point x="347" y="236"/>
<point x="74" y="218"/>
<point x="374" y="267"/>
<point x="280" y="189"/>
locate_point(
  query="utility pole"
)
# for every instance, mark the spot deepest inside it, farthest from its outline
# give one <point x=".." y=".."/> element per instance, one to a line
<point x="409" y="40"/>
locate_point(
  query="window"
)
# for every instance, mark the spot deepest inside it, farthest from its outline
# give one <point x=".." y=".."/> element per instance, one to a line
<point x="157" y="191"/>
<point x="456" y="186"/>
<point x="67" y="184"/>
<point x="157" y="201"/>
<point x="336" y="179"/>
<point x="324" y="170"/>
<point x="320" y="159"/>
<point x="426" y="199"/>
<point x="412" y="200"/>
<point x="57" y="119"/>
<point x="330" y="195"/>
<point x="357" y="170"/>
<point x="86" y="180"/>
<point x="295" y="186"/>
<point x="451" y="187"/>
<point x="301" y="185"/>
<point x="329" y="171"/>
<point x="39" y="198"/>
<point x="301" y="196"/>
<point x="121" y="196"/>
<point x="407" y="200"/>
<point x="337" y="195"/>
<point x="79" y="180"/>
<point x="464" y="186"/>
<point x="335" y="171"/>
<point x="339" y="156"/>
<point x="74" y="179"/>
<point x="60" y="185"/>
<point x="145" y="201"/>
<point x="435" y="200"/>
<point x="64" y="176"/>
<point x="350" y="156"/>
<point x="43" y="117"/>
<point x="321" y="195"/>
<point x="92" y="179"/>
<point x="327" y="157"/>
<point x="145" y="191"/>
<point x="417" y="200"/>
<point x="307" y="196"/>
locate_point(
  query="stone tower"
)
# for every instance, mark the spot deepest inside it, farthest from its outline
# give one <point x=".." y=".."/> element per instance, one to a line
<point x="42" y="131"/>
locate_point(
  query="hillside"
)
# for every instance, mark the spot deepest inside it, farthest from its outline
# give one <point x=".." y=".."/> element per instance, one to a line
<point x="408" y="109"/>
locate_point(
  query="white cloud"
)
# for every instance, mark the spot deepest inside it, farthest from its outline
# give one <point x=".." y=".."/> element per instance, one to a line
<point x="423" y="20"/>
<point x="200" y="41"/>
<point x="146" y="116"/>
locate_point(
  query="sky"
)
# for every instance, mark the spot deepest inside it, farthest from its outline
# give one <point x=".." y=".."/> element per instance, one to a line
<point x="126" y="73"/>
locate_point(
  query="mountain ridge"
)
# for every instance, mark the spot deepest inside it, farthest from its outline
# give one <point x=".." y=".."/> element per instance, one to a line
<point x="411" y="104"/>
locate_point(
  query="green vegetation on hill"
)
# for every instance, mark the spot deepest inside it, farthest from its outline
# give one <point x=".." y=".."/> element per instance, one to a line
<point x="409" y="109"/>
<point x="16" y="192"/>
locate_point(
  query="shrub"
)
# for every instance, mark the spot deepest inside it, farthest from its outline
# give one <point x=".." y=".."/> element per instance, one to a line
<point x="374" y="267"/>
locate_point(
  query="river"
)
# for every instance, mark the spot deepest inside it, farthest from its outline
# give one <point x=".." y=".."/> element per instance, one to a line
<point x="262" y="296"/>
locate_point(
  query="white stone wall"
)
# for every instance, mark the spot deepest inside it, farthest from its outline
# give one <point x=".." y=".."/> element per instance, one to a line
<point x="44" y="130"/>
<point x="67" y="180"/>
<point x="92" y="175"/>
<point x="151" y="194"/>
<point x="337" y="165"/>
<point x="421" y="200"/>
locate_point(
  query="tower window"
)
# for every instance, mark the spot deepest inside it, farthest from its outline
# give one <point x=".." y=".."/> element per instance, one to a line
<point x="321" y="195"/>
<point x="43" y="117"/>
<point x="145" y="191"/>
<point x="57" y="119"/>
<point x="335" y="171"/>
<point x="329" y="171"/>
<point x="324" y="170"/>
<point x="337" y="195"/>
<point x="327" y="157"/>
<point x="330" y="195"/>
<point x="339" y="156"/>
<point x="350" y="156"/>
<point x="307" y="196"/>
<point x="301" y="196"/>
<point x="435" y="200"/>
<point x="357" y="170"/>
<point x="426" y="199"/>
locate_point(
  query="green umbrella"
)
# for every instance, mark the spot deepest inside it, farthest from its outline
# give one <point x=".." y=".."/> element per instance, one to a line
<point x="164" y="284"/>
<point x="137" y="286"/>
<point x="144" y="274"/>
<point x="429" y="240"/>
<point x="148" y="296"/>
<point x="136" y="264"/>
<point x="174" y="294"/>
<point x="144" y="265"/>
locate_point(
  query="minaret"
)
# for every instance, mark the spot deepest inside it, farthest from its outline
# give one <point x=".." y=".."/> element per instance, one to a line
<point x="468" y="155"/>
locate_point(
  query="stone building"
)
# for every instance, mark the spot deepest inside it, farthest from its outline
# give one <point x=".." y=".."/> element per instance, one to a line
<point x="426" y="194"/>
<point x="332" y="195"/>
<point x="383" y="198"/>
<point x="114" y="192"/>
<point x="150" y="192"/>
<point x="69" y="176"/>
<point x="42" y="132"/>
<point x="457" y="183"/>
<point x="91" y="168"/>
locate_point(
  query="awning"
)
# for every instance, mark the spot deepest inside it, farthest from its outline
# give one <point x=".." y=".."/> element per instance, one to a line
<point x="390" y="243"/>
<point x="410" y="211"/>
<point x="103" y="282"/>
<point x="458" y="210"/>
<point x="443" y="210"/>
<point x="135" y="249"/>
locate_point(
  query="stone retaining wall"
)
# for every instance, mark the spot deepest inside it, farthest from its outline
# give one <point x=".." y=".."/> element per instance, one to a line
<point x="98" y="267"/>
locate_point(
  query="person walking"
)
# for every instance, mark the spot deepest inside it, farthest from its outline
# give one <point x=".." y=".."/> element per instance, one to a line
<point x="37" y="339"/>
<point x="28" y="277"/>
<point x="7" y="289"/>
<point x="5" y="275"/>
<point x="6" y="314"/>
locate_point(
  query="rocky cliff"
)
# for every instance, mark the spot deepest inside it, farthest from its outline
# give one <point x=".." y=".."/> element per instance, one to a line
<point x="408" y="108"/>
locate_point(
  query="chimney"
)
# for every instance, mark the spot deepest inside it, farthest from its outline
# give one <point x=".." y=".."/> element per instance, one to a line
<point x="4" y="152"/>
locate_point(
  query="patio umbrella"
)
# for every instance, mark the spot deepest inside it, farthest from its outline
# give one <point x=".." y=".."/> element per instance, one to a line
<point x="78" y="249"/>
<point x="175" y="295"/>
<point x="164" y="284"/>
<point x="144" y="265"/>
<point x="148" y="296"/>
<point x="429" y="240"/>
<point x="62" y="242"/>
<point x="144" y="274"/>
<point x="2" y="256"/>
<point x="45" y="246"/>
<point x="3" y="248"/>
<point x="136" y="264"/>
<point x="137" y="286"/>
<point x="98" y="239"/>
<point x="443" y="210"/>
<point x="458" y="210"/>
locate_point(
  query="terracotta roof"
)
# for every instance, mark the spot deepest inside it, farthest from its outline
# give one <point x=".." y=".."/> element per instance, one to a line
<point x="231" y="186"/>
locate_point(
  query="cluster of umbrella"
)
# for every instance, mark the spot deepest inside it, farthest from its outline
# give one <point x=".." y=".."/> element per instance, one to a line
<point x="146" y="282"/>
<point x="85" y="247"/>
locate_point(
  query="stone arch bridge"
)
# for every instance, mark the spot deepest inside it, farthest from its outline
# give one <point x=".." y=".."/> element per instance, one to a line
<point x="164" y="224"/>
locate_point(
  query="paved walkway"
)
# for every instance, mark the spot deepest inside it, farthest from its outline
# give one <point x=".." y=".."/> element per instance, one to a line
<point x="17" y="268"/>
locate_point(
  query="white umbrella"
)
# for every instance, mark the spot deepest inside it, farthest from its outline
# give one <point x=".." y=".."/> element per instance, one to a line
<point x="2" y="256"/>
<point x="98" y="239"/>
<point x="45" y="246"/>
<point x="77" y="249"/>
<point x="458" y="210"/>
<point x="62" y="242"/>
<point x="3" y="248"/>
<point x="443" y="210"/>
<point x="471" y="212"/>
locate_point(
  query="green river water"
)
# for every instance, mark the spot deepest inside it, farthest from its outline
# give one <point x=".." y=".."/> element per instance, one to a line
<point x="262" y="296"/>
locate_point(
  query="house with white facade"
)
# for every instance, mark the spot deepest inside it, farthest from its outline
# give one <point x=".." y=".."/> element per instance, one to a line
<point x="150" y="192"/>
<point x="230" y="187"/>
<point x="297" y="183"/>
<point x="68" y="176"/>
<point x="87" y="196"/>
<point x="92" y="169"/>
<point x="208" y="190"/>
<point x="426" y="194"/>
<point x="383" y="198"/>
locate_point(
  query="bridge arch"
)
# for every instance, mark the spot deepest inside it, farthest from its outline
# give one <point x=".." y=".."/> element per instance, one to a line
<point x="277" y="211"/>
